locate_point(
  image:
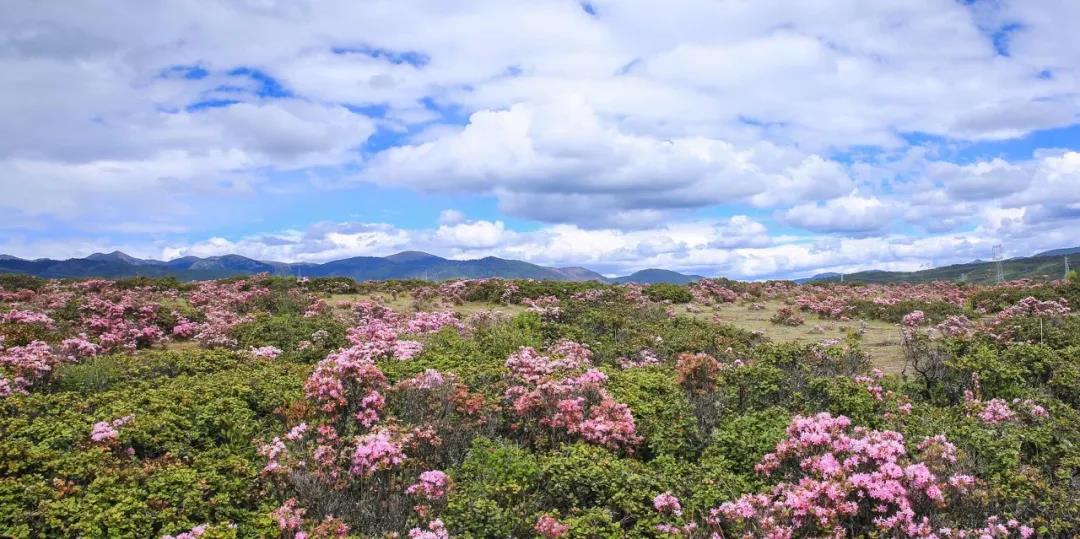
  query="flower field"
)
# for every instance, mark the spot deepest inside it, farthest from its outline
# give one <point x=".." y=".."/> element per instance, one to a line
<point x="318" y="408"/>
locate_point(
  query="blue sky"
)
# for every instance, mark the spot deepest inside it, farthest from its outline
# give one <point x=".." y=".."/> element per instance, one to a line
<point x="744" y="139"/>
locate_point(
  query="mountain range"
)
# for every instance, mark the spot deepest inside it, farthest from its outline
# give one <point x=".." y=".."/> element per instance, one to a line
<point x="420" y="265"/>
<point x="404" y="265"/>
<point x="1044" y="265"/>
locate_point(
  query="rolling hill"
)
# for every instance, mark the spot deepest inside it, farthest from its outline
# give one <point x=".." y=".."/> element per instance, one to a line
<point x="1045" y="265"/>
<point x="404" y="265"/>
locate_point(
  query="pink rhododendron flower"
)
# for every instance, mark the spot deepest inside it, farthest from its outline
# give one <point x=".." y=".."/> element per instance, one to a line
<point x="265" y="352"/>
<point x="107" y="431"/>
<point x="375" y="452"/>
<point x="435" y="530"/>
<point x="549" y="527"/>
<point x="433" y="485"/>
<point x="197" y="531"/>
<point x="668" y="504"/>
<point x="913" y="319"/>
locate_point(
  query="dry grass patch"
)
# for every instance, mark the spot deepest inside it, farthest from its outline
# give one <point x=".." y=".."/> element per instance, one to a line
<point x="881" y="340"/>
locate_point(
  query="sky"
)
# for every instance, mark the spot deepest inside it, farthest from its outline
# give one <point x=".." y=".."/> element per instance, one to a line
<point x="725" y="138"/>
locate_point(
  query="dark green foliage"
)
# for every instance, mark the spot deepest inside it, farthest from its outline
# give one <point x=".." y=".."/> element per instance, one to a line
<point x="740" y="441"/>
<point x="668" y="292"/>
<point x="197" y="414"/>
<point x="286" y="331"/>
<point x="663" y="414"/>
<point x="156" y="283"/>
<point x="332" y="285"/>
<point x="20" y="281"/>
<point x="495" y="492"/>
<point x="935" y="311"/>
<point x="478" y="361"/>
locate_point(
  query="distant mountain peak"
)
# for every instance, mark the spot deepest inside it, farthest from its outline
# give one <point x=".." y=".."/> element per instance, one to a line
<point x="657" y="275"/>
<point x="412" y="256"/>
<point x="116" y="256"/>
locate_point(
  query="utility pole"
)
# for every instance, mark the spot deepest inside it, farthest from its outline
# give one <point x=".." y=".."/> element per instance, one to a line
<point x="999" y="270"/>
<point x="1066" y="268"/>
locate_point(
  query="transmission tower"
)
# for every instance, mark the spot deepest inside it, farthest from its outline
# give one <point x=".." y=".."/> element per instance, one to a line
<point x="999" y="270"/>
<point x="1066" y="268"/>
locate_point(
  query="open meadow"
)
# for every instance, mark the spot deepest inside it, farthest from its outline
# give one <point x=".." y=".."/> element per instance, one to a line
<point x="316" y="408"/>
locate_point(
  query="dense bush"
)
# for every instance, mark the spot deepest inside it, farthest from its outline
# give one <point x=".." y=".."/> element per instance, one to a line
<point x="668" y="292"/>
<point x="935" y="311"/>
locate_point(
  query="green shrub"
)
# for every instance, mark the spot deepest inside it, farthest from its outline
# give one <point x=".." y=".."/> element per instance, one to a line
<point x="286" y="331"/>
<point x="935" y="311"/>
<point x="496" y="492"/>
<point x="661" y="411"/>
<point x="668" y="292"/>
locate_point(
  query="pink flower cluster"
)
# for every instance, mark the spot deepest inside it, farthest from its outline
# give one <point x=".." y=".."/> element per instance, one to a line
<point x="872" y="384"/>
<point x="955" y="326"/>
<point x="265" y="352"/>
<point x="224" y="305"/>
<point x="25" y="365"/>
<point x="549" y="527"/>
<point x="106" y="431"/>
<point x="122" y="321"/>
<point x="997" y="411"/>
<point x="710" y="291"/>
<point x="374" y="452"/>
<point x="79" y="347"/>
<point x="1030" y="306"/>
<point x="431" y="322"/>
<point x="193" y="533"/>
<point x="668" y="504"/>
<point x="548" y="307"/>
<point x="435" y="530"/>
<point x="842" y="480"/>
<point x="27" y="317"/>
<point x="345" y="376"/>
<point x="545" y="396"/>
<point x="913" y="319"/>
<point x="433" y="485"/>
<point x="290" y="519"/>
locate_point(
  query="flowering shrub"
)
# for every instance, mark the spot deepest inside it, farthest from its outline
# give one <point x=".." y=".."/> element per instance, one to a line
<point x="547" y="306"/>
<point x="786" y="316"/>
<point x="25" y="365"/>
<point x="425" y="322"/>
<point x="710" y="291"/>
<point x="546" y="399"/>
<point x="913" y="319"/>
<point x="836" y="479"/>
<point x="265" y="352"/>
<point x="105" y="432"/>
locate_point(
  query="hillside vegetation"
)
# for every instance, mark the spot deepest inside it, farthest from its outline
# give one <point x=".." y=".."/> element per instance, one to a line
<point x="316" y="408"/>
